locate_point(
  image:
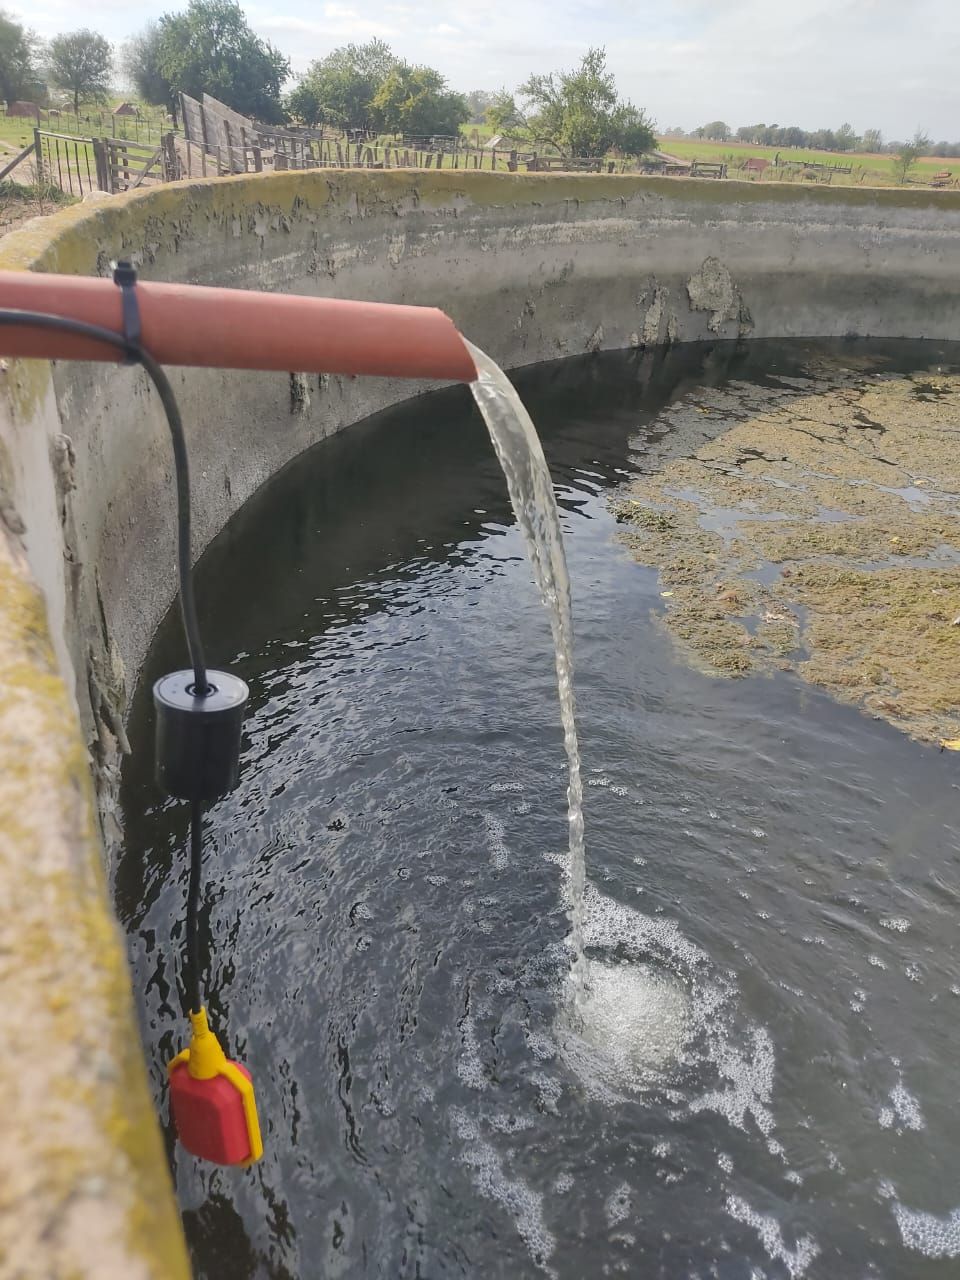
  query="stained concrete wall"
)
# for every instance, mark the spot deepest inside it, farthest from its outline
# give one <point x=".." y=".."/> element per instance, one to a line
<point x="531" y="268"/>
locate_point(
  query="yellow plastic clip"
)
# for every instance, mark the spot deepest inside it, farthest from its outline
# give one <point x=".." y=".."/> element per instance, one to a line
<point x="206" y="1059"/>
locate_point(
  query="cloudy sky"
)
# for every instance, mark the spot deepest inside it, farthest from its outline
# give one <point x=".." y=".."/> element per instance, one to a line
<point x="886" y="64"/>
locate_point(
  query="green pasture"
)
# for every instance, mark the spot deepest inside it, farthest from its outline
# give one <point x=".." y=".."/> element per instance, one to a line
<point x="864" y="165"/>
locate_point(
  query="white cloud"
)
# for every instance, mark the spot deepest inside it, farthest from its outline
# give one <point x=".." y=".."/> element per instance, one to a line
<point x="876" y="63"/>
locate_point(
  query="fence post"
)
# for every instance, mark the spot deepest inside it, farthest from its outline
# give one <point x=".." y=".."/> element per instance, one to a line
<point x="171" y="169"/>
<point x="38" y="144"/>
<point x="102" y="163"/>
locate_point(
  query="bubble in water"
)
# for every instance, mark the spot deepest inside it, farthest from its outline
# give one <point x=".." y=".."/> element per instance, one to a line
<point x="617" y="1205"/>
<point x="510" y="1122"/>
<point x="903" y="1107"/>
<point x="470" y="1064"/>
<point x="749" y="1077"/>
<point x="924" y="1232"/>
<point x="496" y="839"/>
<point x="523" y="1204"/>
<point x="796" y="1260"/>
<point x="897" y="924"/>
<point x="635" y="1015"/>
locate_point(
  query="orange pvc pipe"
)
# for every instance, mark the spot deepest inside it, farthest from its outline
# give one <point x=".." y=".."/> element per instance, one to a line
<point x="239" y="329"/>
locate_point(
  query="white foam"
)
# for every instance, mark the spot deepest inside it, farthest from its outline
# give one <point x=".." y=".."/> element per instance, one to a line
<point x="617" y="1205"/>
<point x="635" y="1015"/>
<point x="510" y="1122"/>
<point x="926" y="1233"/>
<point x="523" y="1204"/>
<point x="550" y="1090"/>
<point x="895" y="923"/>
<point x="496" y="840"/>
<point x="470" y="1064"/>
<point x="796" y="1260"/>
<point x="540" y="1045"/>
<point x="903" y="1107"/>
<point x="750" y="1084"/>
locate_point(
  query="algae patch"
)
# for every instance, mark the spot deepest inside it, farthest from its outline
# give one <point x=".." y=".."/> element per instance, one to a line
<point x="818" y="531"/>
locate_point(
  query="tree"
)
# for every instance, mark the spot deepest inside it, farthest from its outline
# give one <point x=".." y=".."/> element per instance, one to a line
<point x="823" y="140"/>
<point x="503" y="114"/>
<point x="845" y="139"/>
<point x="716" y="131"/>
<point x="141" y="60"/>
<point x="580" y="113"/>
<point x="478" y="100"/>
<point x="82" y="61"/>
<point x="872" y="140"/>
<point x="210" y="48"/>
<point x="792" y="136"/>
<point x="908" y="154"/>
<point x="340" y="88"/>
<point x="416" y="100"/>
<point x="18" y="70"/>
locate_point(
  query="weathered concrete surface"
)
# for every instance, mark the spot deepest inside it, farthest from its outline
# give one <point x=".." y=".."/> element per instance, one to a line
<point x="83" y="1188"/>
<point x="530" y="267"/>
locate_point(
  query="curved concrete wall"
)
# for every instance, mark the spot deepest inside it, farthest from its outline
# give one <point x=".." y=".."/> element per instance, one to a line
<point x="531" y="268"/>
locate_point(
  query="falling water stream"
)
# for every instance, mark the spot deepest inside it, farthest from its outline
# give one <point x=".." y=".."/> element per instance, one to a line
<point x="520" y="452"/>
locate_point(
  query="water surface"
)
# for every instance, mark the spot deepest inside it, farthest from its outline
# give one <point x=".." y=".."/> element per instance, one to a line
<point x="766" y="1086"/>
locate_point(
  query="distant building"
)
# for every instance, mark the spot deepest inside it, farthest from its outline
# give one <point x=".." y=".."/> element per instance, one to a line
<point x="126" y="109"/>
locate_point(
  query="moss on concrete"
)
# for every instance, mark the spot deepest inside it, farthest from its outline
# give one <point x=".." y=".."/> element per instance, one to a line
<point x="71" y="240"/>
<point x="88" y="1193"/>
<point x="819" y="531"/>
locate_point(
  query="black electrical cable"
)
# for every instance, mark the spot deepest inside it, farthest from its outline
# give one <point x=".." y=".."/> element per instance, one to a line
<point x="192" y="981"/>
<point x="188" y="606"/>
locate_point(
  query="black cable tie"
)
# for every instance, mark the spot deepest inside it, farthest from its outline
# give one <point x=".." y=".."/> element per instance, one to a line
<point x="125" y="277"/>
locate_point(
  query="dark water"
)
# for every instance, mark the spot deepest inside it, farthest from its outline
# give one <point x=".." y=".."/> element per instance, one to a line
<point x="771" y="1088"/>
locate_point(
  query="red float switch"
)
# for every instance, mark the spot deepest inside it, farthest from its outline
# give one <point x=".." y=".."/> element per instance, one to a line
<point x="212" y="1101"/>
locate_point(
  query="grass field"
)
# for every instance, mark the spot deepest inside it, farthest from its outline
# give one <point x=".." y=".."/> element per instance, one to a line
<point x="866" y="167"/>
<point x="17" y="131"/>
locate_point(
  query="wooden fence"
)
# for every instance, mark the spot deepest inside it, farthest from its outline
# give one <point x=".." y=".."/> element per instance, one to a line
<point x="81" y="165"/>
<point x="217" y="142"/>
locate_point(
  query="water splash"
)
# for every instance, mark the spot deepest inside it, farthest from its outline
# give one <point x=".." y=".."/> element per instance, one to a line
<point x="520" y="453"/>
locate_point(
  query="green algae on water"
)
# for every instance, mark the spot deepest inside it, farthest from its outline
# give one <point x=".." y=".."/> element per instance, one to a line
<point x="818" y="532"/>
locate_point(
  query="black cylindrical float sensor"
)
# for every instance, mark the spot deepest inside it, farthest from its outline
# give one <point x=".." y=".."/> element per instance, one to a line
<point x="198" y="738"/>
